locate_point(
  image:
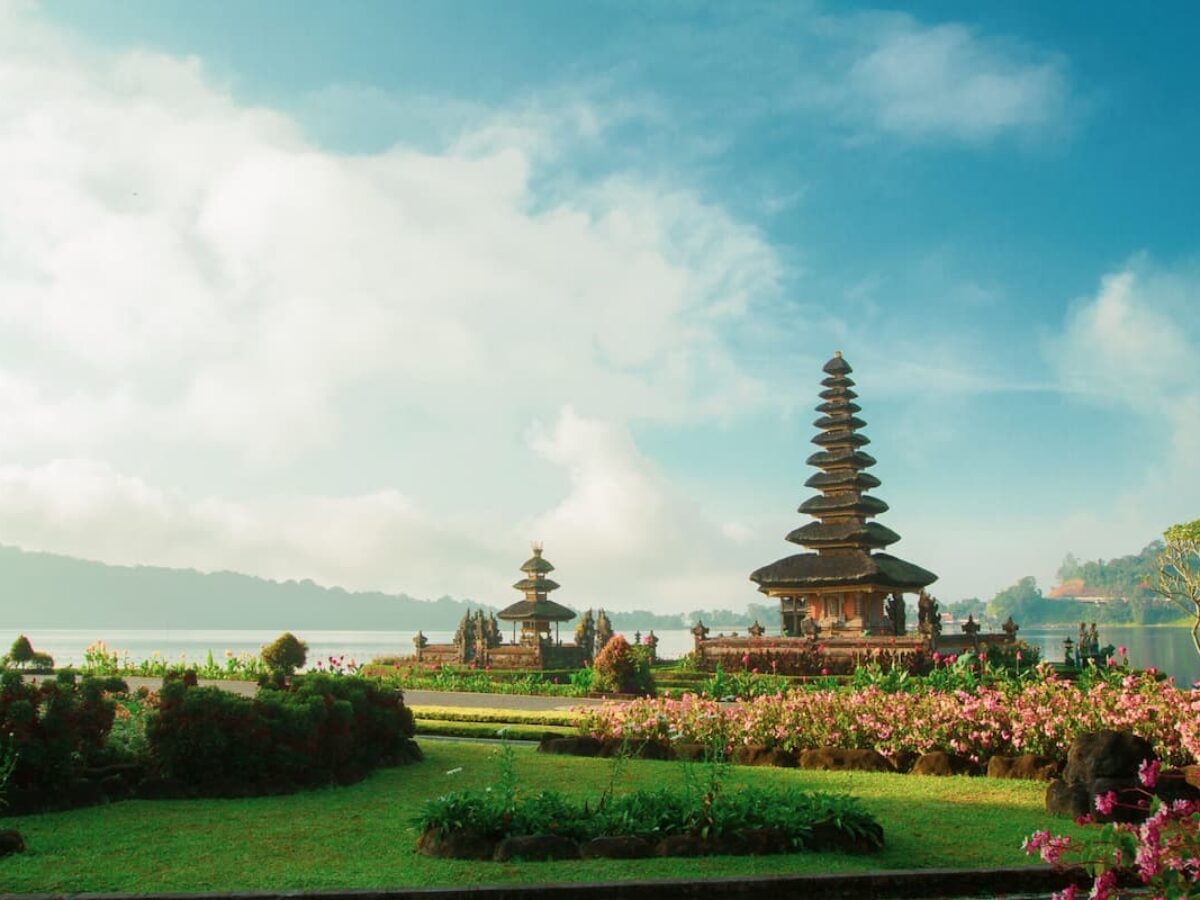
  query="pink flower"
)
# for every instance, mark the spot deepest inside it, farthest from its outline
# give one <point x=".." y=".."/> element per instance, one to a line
<point x="1122" y="651"/>
<point x="1106" y="802"/>
<point x="1148" y="772"/>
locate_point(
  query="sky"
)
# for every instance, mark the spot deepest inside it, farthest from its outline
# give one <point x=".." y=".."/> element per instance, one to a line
<point x="378" y="293"/>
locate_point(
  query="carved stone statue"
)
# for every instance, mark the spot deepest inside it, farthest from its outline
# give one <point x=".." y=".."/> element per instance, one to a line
<point x="929" y="620"/>
<point x="464" y="637"/>
<point x="756" y="630"/>
<point x="699" y="631"/>
<point x="897" y="613"/>
<point x="1010" y="628"/>
<point x="971" y="629"/>
<point x="810" y="628"/>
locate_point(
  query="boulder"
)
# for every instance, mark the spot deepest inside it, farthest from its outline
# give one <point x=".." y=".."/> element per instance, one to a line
<point x="829" y="835"/>
<point x="755" y="755"/>
<point x="633" y="749"/>
<point x="575" y="745"/>
<point x="688" y="752"/>
<point x="765" y="841"/>
<point x="1106" y="754"/>
<point x="681" y="845"/>
<point x="11" y="842"/>
<point x="1133" y="804"/>
<point x="536" y="848"/>
<point x="837" y="759"/>
<point x="617" y="847"/>
<point x="1066" y="799"/>
<point x="939" y="762"/>
<point x="462" y="843"/>
<point x="1178" y="784"/>
<point x="162" y="789"/>
<point x="1027" y="767"/>
<point x="902" y="760"/>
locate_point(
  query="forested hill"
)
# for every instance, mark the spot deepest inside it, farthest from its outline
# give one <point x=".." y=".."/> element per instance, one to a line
<point x="49" y="591"/>
<point x="1125" y="577"/>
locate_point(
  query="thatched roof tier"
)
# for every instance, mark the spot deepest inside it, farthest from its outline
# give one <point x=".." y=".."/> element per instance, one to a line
<point x="841" y="459"/>
<point x="841" y="438"/>
<point x="837" y="365"/>
<point x="826" y="423"/>
<point x="837" y="383"/>
<point x="833" y="394"/>
<point x="842" y="534"/>
<point x="537" y="564"/>
<point x="829" y="407"/>
<point x="843" y="505"/>
<point x="842" y="479"/>
<point x="540" y="585"/>
<point x="531" y="610"/>
<point x="810" y="570"/>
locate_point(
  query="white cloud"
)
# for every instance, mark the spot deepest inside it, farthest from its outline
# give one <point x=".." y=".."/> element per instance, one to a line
<point x="921" y="82"/>
<point x="190" y="277"/>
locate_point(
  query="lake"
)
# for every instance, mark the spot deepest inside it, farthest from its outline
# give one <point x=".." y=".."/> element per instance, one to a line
<point x="1168" y="649"/>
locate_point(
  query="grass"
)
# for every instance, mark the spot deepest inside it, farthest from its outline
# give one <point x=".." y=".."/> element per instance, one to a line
<point x="489" y="714"/>
<point x="511" y="731"/>
<point x="363" y="835"/>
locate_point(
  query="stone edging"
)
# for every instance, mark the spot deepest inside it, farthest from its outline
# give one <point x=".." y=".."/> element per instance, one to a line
<point x="918" y="884"/>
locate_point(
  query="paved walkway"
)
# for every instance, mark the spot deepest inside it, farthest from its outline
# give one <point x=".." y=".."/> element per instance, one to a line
<point x="413" y="698"/>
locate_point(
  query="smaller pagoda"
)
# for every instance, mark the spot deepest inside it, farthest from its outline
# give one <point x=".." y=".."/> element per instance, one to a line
<point x="537" y="611"/>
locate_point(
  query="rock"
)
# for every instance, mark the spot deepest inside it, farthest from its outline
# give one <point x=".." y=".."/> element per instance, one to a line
<point x="162" y="789"/>
<point x="536" y="848"/>
<point x="1027" y="767"/>
<point x="461" y="843"/>
<point x="618" y="847"/>
<point x="11" y="842"/>
<point x="681" y="845"/>
<point x="688" y="752"/>
<point x="755" y="755"/>
<point x="765" y="841"/>
<point x="1176" y="784"/>
<point x="938" y="762"/>
<point x="902" y="761"/>
<point x="828" y="835"/>
<point x="633" y="749"/>
<point x="1063" y="799"/>
<point x="1106" y="754"/>
<point x="836" y="759"/>
<point x="1132" y="803"/>
<point x="82" y="792"/>
<point x="581" y="745"/>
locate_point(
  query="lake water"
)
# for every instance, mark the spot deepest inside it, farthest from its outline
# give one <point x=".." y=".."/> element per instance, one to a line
<point x="1168" y="649"/>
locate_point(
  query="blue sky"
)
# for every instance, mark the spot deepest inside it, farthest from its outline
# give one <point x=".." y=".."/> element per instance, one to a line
<point x="375" y="294"/>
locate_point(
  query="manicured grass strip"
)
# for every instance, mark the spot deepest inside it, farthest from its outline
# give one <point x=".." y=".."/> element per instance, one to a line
<point x="362" y="836"/>
<point x="489" y="714"/>
<point x="510" y="731"/>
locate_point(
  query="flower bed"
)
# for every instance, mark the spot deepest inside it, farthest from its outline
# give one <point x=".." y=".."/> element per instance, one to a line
<point x="1035" y="716"/>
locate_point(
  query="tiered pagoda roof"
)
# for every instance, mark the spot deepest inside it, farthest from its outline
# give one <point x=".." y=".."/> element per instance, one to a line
<point x="846" y="543"/>
<point x="535" y="585"/>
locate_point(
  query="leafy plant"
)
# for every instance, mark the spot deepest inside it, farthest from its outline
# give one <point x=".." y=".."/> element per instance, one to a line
<point x="622" y="668"/>
<point x="285" y="654"/>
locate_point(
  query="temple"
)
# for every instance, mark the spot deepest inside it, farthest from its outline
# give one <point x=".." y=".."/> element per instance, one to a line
<point x="845" y="592"/>
<point x="843" y="585"/>
<point x="478" y="642"/>
<point x="537" y="611"/>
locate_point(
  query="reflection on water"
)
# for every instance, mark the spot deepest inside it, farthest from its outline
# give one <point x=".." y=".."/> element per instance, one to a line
<point x="1168" y="649"/>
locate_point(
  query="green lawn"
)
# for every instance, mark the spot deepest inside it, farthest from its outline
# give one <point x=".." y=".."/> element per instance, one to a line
<point x="363" y="836"/>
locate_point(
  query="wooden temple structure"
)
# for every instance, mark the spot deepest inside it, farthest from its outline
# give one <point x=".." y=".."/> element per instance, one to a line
<point x="478" y="642"/>
<point x="845" y="592"/>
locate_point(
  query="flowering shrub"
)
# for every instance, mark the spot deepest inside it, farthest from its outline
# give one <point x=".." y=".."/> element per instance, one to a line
<point x="98" y="659"/>
<point x="1028" y="716"/>
<point x="1163" y="852"/>
<point x="620" y="668"/>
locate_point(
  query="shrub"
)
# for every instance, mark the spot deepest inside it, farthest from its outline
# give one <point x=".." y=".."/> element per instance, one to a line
<point x="317" y="729"/>
<point x="620" y="668"/>
<point x="55" y="726"/>
<point x="285" y="654"/>
<point x="22" y="655"/>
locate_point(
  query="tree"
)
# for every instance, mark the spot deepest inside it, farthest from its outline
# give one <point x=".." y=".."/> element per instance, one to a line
<point x="286" y="654"/>
<point x="1022" y="601"/>
<point x="1178" y="575"/>
<point x="21" y="653"/>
